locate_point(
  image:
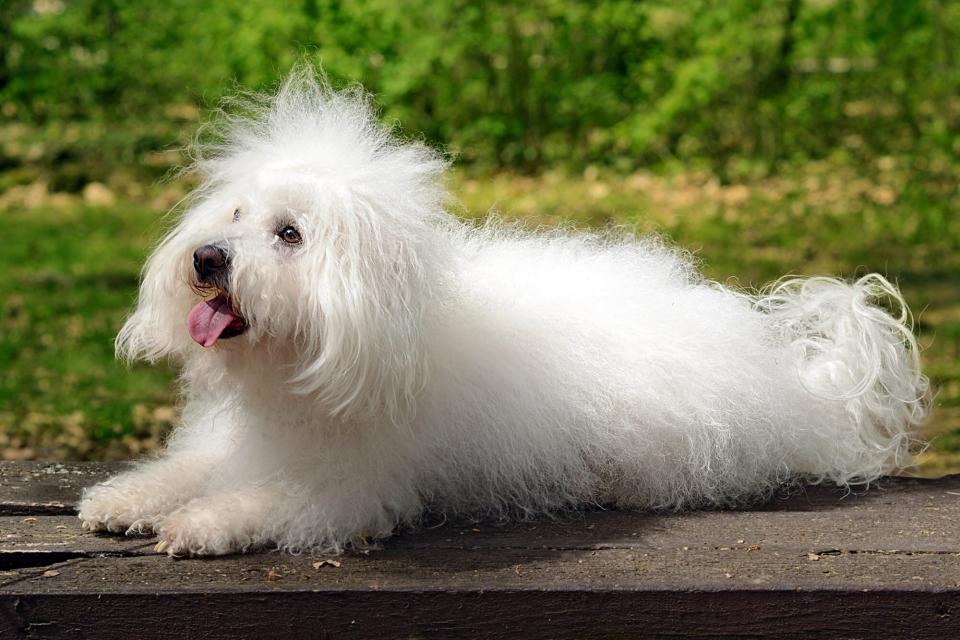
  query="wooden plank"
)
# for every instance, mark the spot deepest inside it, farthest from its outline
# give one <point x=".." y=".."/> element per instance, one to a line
<point x="43" y="487"/>
<point x="504" y="614"/>
<point x="814" y="564"/>
<point x="905" y="516"/>
<point x="31" y="488"/>
<point x="919" y="521"/>
<point x="701" y="569"/>
<point x="36" y="541"/>
<point x="515" y="593"/>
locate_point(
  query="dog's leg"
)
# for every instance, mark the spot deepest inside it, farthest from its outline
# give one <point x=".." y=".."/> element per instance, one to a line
<point x="135" y="501"/>
<point x="276" y="515"/>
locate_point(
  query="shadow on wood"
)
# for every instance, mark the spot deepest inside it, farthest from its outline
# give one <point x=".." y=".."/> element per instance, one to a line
<point x="820" y="563"/>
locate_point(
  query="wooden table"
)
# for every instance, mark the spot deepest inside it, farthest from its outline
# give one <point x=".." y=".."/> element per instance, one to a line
<point x="820" y="563"/>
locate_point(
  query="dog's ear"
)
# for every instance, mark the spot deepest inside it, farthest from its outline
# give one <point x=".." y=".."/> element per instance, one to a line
<point x="155" y="327"/>
<point x="372" y="279"/>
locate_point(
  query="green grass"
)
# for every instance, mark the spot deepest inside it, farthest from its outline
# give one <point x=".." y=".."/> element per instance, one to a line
<point x="70" y="274"/>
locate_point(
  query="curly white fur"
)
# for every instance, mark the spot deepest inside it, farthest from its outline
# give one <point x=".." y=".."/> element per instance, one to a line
<point x="398" y="359"/>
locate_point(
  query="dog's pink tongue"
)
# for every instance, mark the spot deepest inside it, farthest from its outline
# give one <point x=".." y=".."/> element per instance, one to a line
<point x="209" y="319"/>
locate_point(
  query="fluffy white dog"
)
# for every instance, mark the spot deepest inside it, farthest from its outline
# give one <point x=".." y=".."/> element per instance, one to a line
<point x="352" y="354"/>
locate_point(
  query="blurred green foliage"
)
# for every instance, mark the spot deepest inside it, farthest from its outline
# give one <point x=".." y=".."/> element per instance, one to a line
<point x="767" y="136"/>
<point x="741" y="85"/>
<point x="70" y="273"/>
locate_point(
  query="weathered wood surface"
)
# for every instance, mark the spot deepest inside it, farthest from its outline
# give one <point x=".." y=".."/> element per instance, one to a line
<point x="884" y="563"/>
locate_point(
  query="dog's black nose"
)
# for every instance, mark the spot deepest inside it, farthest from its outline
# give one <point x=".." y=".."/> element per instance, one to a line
<point x="210" y="262"/>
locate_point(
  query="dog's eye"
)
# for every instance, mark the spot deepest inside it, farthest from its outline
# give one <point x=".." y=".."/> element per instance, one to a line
<point x="236" y="215"/>
<point x="290" y="235"/>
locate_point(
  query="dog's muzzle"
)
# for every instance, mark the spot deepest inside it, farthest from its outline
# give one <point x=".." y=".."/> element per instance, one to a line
<point x="211" y="264"/>
<point x="214" y="318"/>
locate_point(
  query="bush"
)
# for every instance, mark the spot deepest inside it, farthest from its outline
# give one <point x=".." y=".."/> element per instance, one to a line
<point x="741" y="85"/>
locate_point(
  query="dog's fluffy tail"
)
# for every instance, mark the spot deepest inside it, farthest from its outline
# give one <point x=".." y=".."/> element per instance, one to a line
<point x="857" y="357"/>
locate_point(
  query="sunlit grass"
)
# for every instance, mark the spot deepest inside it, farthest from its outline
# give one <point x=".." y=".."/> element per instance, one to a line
<point x="70" y="274"/>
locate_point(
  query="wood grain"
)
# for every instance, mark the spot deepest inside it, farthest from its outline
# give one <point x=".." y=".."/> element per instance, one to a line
<point x="811" y="563"/>
<point x="32" y="488"/>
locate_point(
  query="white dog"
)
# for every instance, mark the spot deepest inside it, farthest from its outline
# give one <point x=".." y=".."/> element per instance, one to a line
<point x="353" y="354"/>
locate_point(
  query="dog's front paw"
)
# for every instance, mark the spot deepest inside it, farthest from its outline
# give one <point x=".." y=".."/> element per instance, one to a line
<point x="201" y="528"/>
<point x="117" y="509"/>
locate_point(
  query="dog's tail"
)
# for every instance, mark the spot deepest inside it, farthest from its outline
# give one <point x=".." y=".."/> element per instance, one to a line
<point x="859" y="361"/>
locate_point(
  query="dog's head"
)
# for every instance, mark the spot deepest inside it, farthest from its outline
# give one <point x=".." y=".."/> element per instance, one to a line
<point x="313" y="236"/>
